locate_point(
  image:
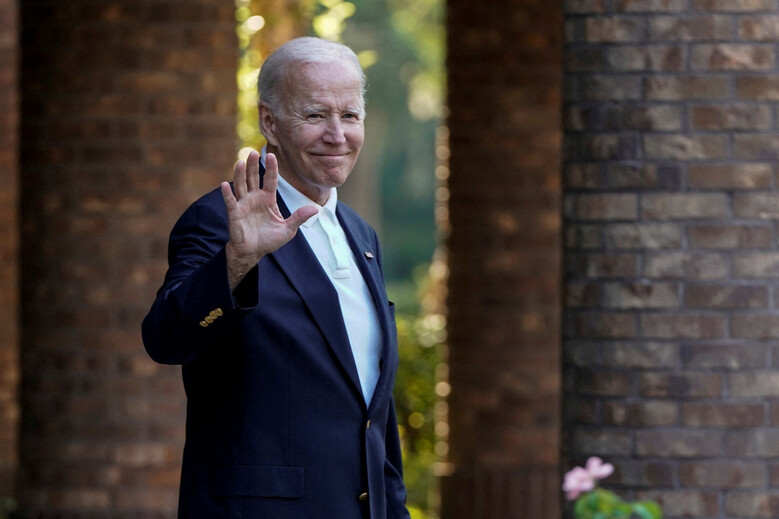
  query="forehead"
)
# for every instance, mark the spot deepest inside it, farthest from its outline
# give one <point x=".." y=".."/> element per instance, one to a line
<point x="336" y="82"/>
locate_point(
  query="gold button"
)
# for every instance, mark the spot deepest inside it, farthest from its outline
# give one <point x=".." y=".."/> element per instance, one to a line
<point x="209" y="319"/>
<point x="204" y="324"/>
<point x="368" y="424"/>
<point x="363" y="496"/>
<point x="219" y="312"/>
<point x="213" y="315"/>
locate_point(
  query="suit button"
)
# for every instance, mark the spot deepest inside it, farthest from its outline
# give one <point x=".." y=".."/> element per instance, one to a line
<point x="209" y="319"/>
<point x="204" y="324"/>
<point x="368" y="425"/>
<point x="219" y="312"/>
<point x="363" y="496"/>
<point x="212" y="314"/>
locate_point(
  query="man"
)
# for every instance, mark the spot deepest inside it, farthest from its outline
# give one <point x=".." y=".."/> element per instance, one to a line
<point x="274" y="303"/>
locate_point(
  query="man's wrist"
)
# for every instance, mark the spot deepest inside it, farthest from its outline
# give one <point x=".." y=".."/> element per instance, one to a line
<point x="237" y="266"/>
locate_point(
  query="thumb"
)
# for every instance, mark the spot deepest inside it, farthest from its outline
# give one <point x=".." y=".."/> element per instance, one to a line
<point x="300" y="216"/>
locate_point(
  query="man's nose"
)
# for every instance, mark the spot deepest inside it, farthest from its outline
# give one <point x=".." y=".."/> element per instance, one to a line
<point x="334" y="134"/>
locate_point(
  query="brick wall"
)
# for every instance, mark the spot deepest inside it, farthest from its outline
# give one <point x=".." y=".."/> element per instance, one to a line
<point x="9" y="242"/>
<point x="128" y="116"/>
<point x="671" y="280"/>
<point x="504" y="95"/>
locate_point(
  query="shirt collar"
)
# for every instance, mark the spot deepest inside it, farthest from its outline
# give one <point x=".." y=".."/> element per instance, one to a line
<point x="294" y="199"/>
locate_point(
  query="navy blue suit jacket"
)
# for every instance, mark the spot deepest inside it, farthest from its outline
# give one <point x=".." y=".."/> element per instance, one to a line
<point x="277" y="426"/>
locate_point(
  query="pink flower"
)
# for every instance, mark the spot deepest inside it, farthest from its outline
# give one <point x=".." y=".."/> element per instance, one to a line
<point x="579" y="480"/>
<point x="598" y="469"/>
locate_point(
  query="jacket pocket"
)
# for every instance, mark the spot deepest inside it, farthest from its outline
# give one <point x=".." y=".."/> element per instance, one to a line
<point x="259" y="481"/>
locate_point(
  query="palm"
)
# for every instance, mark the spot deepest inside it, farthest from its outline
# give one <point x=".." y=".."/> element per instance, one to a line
<point x="256" y="225"/>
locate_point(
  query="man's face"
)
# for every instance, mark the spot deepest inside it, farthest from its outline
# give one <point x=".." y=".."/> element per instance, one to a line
<point x="318" y="136"/>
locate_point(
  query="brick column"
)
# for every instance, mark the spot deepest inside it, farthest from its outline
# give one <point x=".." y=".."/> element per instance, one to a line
<point x="9" y="242"/>
<point x="671" y="260"/>
<point x="504" y="77"/>
<point x="128" y="115"/>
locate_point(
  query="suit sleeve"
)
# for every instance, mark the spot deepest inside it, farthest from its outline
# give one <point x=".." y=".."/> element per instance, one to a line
<point x="195" y="308"/>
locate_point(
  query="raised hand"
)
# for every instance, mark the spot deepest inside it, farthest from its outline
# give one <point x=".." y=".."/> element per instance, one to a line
<point x="256" y="225"/>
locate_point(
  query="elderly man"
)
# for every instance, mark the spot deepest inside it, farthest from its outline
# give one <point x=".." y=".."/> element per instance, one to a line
<point x="274" y="304"/>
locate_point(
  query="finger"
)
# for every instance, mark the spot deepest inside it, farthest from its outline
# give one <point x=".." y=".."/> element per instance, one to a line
<point x="239" y="179"/>
<point x="271" y="179"/>
<point x="300" y="216"/>
<point x="227" y="196"/>
<point x="253" y="171"/>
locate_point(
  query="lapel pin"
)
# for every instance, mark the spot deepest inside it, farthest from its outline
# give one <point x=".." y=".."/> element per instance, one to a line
<point x="368" y="254"/>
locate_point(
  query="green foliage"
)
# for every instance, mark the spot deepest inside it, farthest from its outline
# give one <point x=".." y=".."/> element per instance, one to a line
<point x="417" y="403"/>
<point x="604" y="504"/>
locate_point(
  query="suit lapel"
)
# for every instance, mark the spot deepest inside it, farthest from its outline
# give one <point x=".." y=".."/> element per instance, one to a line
<point x="366" y="258"/>
<point x="302" y="268"/>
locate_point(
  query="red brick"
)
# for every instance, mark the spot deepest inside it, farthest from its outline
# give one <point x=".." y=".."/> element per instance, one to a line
<point x="752" y="443"/>
<point x="756" y="146"/>
<point x="754" y="326"/>
<point x="729" y="236"/>
<point x="676" y="88"/>
<point x="730" y="176"/>
<point x="682" y="326"/>
<point x="685" y="385"/>
<point x="88" y="377"/>
<point x="718" y="296"/>
<point x="666" y="58"/>
<point x="607" y="207"/>
<point x="613" y="29"/>
<point x="761" y="88"/>
<point x="761" y="265"/>
<point x="713" y="474"/>
<point x="651" y="6"/>
<point x="723" y="415"/>
<point x="732" y="57"/>
<point x="637" y="355"/>
<point x="694" y="28"/>
<point x="754" y="384"/>
<point x="670" y="206"/>
<point x="737" y="357"/>
<point x="644" y="414"/>
<point x="763" y="206"/>
<point x="733" y="6"/>
<point x="685" y="147"/>
<point x="765" y="27"/>
<point x="730" y="117"/>
<point x="640" y="295"/>
<point x="643" y="236"/>
<point x="676" y="265"/>
<point x="752" y="504"/>
<point x="678" y="443"/>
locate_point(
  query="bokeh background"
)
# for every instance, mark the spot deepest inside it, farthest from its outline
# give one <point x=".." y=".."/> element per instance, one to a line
<point x="577" y="200"/>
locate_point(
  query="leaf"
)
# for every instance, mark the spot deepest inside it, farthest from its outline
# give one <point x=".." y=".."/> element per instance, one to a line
<point x="647" y="510"/>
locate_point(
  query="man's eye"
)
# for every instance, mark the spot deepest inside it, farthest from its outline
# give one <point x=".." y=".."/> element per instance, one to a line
<point x="350" y="116"/>
<point x="315" y="116"/>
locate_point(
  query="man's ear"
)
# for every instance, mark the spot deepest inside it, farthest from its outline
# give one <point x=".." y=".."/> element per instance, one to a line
<point x="267" y="123"/>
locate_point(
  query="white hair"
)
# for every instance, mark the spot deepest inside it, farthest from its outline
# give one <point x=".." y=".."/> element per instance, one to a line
<point x="298" y="52"/>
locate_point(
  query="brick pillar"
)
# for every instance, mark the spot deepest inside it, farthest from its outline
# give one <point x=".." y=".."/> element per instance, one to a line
<point x="504" y="77"/>
<point x="128" y="116"/>
<point x="9" y="242"/>
<point x="671" y="262"/>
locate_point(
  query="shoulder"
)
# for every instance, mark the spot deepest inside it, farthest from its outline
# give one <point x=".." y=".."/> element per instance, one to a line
<point x="206" y="214"/>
